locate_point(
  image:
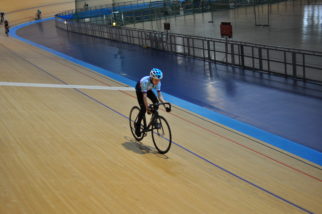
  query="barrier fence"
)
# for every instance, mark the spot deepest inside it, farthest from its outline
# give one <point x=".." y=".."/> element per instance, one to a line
<point x="295" y="63"/>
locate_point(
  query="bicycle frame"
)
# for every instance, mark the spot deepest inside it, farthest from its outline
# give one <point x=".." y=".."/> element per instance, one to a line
<point x="155" y="115"/>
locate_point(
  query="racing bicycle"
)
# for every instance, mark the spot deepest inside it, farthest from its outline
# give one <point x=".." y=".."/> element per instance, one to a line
<point x="158" y="126"/>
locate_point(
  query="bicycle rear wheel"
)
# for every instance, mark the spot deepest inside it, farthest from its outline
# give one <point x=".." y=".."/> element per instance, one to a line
<point x="133" y="118"/>
<point x="161" y="135"/>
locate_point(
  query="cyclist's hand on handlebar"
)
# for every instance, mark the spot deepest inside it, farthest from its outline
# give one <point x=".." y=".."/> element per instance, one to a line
<point x="167" y="106"/>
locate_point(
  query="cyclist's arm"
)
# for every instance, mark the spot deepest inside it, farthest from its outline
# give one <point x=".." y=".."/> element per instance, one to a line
<point x="162" y="100"/>
<point x="160" y="97"/>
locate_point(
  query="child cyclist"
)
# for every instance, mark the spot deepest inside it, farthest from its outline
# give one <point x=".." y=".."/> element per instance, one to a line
<point x="143" y="90"/>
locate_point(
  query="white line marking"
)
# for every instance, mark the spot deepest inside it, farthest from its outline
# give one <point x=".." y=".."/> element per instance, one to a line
<point x="92" y="87"/>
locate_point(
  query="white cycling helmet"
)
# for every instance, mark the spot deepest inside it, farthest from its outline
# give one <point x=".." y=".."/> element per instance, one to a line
<point x="156" y="73"/>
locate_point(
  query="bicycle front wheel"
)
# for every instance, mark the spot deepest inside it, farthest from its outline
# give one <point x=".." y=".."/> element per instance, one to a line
<point x="161" y="135"/>
<point x="133" y="118"/>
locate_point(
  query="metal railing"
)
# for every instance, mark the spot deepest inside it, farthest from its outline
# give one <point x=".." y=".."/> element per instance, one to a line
<point x="130" y="12"/>
<point x="295" y="63"/>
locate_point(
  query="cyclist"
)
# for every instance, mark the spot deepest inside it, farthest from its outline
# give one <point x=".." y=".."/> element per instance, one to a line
<point x="6" y="27"/>
<point x="1" y="17"/>
<point x="38" y="15"/>
<point x="143" y="90"/>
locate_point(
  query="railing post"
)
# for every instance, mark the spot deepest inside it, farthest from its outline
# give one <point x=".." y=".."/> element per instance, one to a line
<point x="285" y="64"/>
<point x="253" y="59"/>
<point x="232" y="54"/>
<point x="127" y="36"/>
<point x="184" y="45"/>
<point x="193" y="47"/>
<point x="208" y="47"/>
<point x="268" y="61"/>
<point x="294" y="64"/>
<point x="170" y="39"/>
<point x="215" y="58"/>
<point x="260" y="58"/>
<point x="304" y="71"/>
<point x="226" y="49"/>
<point x="242" y="56"/>
<point x="188" y="45"/>
<point x="203" y="49"/>
<point x="139" y="38"/>
<point x="161" y="39"/>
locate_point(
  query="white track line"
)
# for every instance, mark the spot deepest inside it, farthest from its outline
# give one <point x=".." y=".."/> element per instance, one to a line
<point x="92" y="87"/>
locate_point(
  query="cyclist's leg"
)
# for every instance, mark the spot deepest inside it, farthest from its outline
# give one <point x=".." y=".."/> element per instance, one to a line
<point x="152" y="97"/>
<point x="139" y="96"/>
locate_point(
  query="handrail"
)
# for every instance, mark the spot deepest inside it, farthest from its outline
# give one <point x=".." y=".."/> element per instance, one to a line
<point x="289" y="62"/>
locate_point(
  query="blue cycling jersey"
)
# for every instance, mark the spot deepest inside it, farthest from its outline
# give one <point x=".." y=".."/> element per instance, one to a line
<point x="146" y="84"/>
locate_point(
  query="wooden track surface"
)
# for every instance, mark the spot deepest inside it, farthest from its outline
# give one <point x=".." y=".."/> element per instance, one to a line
<point x="71" y="151"/>
<point x="17" y="11"/>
